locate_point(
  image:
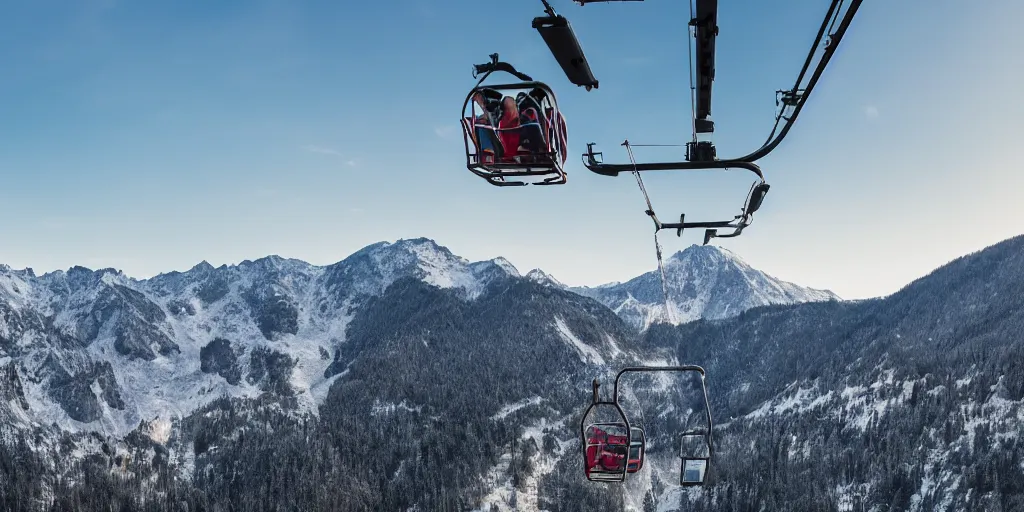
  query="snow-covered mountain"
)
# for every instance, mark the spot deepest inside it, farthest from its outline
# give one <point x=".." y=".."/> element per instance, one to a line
<point x="360" y="386"/>
<point x="98" y="350"/>
<point x="106" y="369"/>
<point x="703" y="282"/>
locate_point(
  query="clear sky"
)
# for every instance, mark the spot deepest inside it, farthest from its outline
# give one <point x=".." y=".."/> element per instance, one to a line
<point x="149" y="136"/>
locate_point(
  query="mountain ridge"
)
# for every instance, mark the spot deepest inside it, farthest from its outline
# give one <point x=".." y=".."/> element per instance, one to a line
<point x="639" y="301"/>
<point x="702" y="281"/>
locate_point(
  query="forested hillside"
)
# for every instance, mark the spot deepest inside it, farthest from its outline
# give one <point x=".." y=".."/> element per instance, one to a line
<point x="912" y="402"/>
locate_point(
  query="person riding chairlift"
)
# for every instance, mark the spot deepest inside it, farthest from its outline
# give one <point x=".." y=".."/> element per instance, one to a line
<point x="553" y="124"/>
<point x="534" y="125"/>
<point x="486" y="101"/>
<point x="508" y="125"/>
<point x="512" y="123"/>
<point x="521" y="126"/>
<point x="481" y="125"/>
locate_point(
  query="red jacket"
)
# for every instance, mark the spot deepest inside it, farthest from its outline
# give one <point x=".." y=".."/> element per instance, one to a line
<point x="509" y="135"/>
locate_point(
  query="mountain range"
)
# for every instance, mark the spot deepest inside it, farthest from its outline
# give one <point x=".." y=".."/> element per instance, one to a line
<point x="403" y="362"/>
<point x="160" y="347"/>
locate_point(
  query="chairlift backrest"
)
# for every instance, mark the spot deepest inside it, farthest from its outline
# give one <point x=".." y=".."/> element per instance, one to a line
<point x="695" y="457"/>
<point x="637" y="450"/>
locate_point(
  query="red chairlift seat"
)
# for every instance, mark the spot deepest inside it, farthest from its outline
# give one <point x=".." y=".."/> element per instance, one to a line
<point x="605" y="451"/>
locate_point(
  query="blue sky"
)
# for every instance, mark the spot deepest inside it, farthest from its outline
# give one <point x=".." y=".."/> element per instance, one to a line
<point x="150" y="136"/>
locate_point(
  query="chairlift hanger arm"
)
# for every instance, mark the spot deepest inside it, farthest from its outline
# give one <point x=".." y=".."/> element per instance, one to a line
<point x="591" y="162"/>
<point x="755" y="198"/>
<point x="496" y="65"/>
<point x="801" y="94"/>
<point x="738" y="224"/>
<point x="798" y="97"/>
<point x="680" y="226"/>
<point x="641" y="369"/>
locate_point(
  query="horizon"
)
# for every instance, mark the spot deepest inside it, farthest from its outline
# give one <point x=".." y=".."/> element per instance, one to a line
<point x="519" y="269"/>
<point x="145" y="137"/>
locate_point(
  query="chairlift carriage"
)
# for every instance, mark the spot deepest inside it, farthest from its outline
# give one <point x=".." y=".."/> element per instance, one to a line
<point x="513" y="129"/>
<point x="613" y="449"/>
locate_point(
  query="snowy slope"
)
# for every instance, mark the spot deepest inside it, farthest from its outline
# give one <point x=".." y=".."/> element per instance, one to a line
<point x="703" y="282"/>
<point x="97" y="350"/>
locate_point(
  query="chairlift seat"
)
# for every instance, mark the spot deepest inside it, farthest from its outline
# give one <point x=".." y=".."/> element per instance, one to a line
<point x="756" y="198"/>
<point x="695" y="458"/>
<point x="606" y="451"/>
<point x="637" y="449"/>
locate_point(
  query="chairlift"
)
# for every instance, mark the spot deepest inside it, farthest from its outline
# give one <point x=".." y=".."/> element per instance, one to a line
<point x="513" y="129"/>
<point x="605" y="444"/>
<point x="608" y="455"/>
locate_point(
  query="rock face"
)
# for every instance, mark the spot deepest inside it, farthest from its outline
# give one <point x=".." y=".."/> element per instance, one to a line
<point x="218" y="357"/>
<point x="11" y="389"/>
<point x="82" y="394"/>
<point x="271" y="371"/>
<point x="703" y="282"/>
